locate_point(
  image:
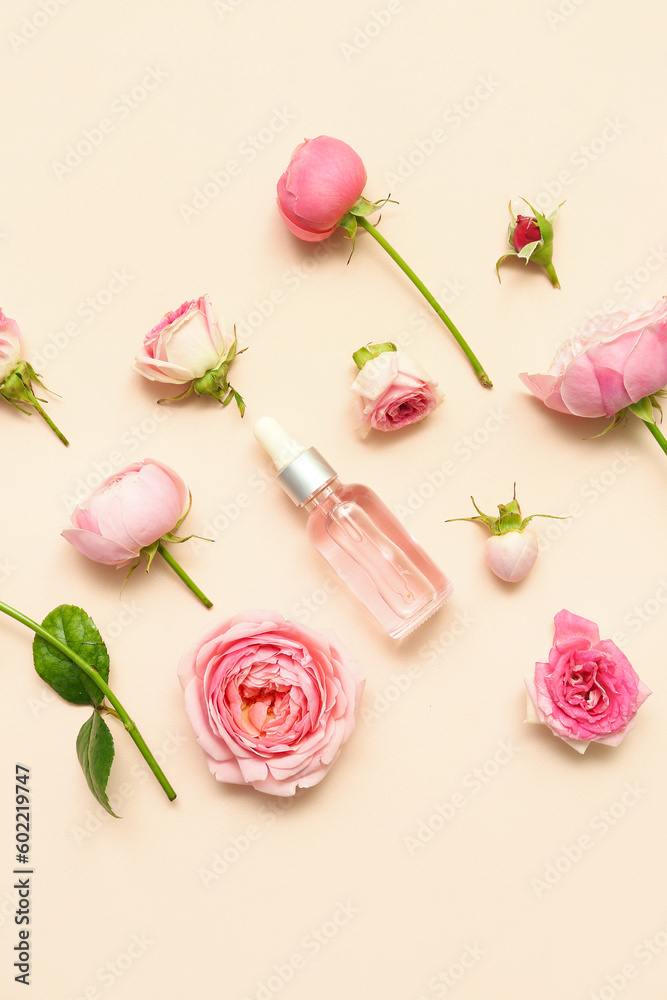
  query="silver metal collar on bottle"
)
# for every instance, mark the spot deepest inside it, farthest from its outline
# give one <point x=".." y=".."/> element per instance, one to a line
<point x="305" y="474"/>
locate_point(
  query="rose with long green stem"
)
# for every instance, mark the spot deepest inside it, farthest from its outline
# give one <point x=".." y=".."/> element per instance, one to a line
<point x="322" y="190"/>
<point x="59" y="642"/>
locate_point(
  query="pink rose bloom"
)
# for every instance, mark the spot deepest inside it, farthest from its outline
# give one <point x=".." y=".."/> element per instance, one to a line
<point x="10" y="346"/>
<point x="184" y="345"/>
<point x="392" y="391"/>
<point x="324" y="179"/>
<point x="588" y="692"/>
<point x="617" y="359"/>
<point x="128" y="511"/>
<point x="271" y="702"/>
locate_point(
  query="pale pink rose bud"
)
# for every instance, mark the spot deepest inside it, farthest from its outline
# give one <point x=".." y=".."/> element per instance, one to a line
<point x="271" y="702"/>
<point x="10" y="346"/>
<point x="324" y="179"/>
<point x="588" y="692"/>
<point x="512" y="556"/>
<point x="391" y="391"/>
<point x="615" y="361"/>
<point x="128" y="512"/>
<point x="188" y="347"/>
<point x="513" y="547"/>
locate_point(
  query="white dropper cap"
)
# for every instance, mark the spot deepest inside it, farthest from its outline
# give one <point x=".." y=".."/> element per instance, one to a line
<point x="276" y="442"/>
<point x="301" y="471"/>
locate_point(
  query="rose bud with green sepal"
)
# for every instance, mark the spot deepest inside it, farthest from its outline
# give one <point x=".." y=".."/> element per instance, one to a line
<point x="513" y="548"/>
<point x="532" y="238"/>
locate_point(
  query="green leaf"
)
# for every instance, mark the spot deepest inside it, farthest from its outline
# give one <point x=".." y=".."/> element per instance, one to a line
<point x="95" y="750"/>
<point x="643" y="409"/>
<point x="73" y="627"/>
<point x="240" y="402"/>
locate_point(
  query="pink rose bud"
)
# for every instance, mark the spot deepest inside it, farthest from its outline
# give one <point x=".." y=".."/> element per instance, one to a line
<point x="531" y="238"/>
<point x="513" y="547"/>
<point x="616" y="361"/>
<point x="17" y="376"/>
<point x="324" y="179"/>
<point x="391" y="390"/>
<point x="270" y="701"/>
<point x="588" y="692"/>
<point x="132" y="514"/>
<point x="188" y="347"/>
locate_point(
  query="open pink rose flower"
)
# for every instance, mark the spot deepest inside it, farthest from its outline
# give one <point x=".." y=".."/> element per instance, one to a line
<point x="588" y="692"/>
<point x="324" y="179"/>
<point x="270" y="701"/>
<point x="189" y="347"/>
<point x="10" y="346"/>
<point x="391" y="391"/>
<point x="616" y="360"/>
<point x="132" y="514"/>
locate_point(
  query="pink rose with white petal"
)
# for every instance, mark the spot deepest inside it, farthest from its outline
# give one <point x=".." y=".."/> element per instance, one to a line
<point x="188" y="347"/>
<point x="17" y="375"/>
<point x="613" y="362"/>
<point x="324" y="179"/>
<point x="588" y="692"/>
<point x="392" y="390"/>
<point x="270" y="701"/>
<point x="132" y="514"/>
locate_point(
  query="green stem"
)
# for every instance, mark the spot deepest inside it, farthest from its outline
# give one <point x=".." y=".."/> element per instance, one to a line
<point x="168" y="558"/>
<point x="658" y="435"/>
<point x="50" y="422"/>
<point x="106" y="690"/>
<point x="476" y="364"/>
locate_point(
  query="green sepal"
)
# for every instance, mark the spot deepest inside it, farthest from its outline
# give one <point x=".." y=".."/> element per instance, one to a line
<point x="365" y="207"/>
<point x="150" y="552"/>
<point x="349" y="225"/>
<point x="643" y="409"/>
<point x="370" y="351"/>
<point x="509" y="517"/>
<point x="95" y="750"/>
<point x="78" y="631"/>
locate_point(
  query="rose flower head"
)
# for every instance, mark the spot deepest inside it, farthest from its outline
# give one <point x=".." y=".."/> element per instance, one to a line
<point x="531" y="238"/>
<point x="188" y="347"/>
<point x="17" y="375"/>
<point x="270" y="701"/>
<point x="588" y="692"/>
<point x="392" y="390"/>
<point x="132" y="514"/>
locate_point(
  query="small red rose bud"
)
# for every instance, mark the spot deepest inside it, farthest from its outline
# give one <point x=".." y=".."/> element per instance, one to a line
<point x="525" y="231"/>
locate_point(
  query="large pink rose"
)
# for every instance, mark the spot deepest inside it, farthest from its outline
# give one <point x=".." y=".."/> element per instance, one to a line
<point x="128" y="511"/>
<point x="324" y="179"/>
<point x="615" y="360"/>
<point x="271" y="702"/>
<point x="10" y="346"/>
<point x="184" y="345"/>
<point x="588" y="692"/>
<point x="392" y="391"/>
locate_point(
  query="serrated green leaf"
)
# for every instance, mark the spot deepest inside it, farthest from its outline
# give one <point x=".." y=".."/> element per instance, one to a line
<point x="95" y="750"/>
<point x="78" y="631"/>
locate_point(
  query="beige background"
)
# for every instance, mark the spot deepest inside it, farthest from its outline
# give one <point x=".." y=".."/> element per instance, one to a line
<point x="330" y="897"/>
